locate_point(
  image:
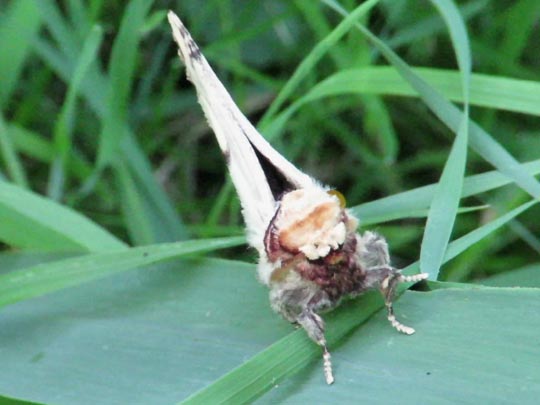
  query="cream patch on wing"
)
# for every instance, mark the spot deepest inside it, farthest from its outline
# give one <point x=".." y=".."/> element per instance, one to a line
<point x="311" y="221"/>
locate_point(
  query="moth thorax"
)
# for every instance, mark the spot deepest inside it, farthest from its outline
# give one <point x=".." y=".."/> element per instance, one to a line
<point x="313" y="222"/>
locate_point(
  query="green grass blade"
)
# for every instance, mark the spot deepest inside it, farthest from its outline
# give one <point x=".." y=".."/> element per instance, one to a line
<point x="445" y="204"/>
<point x="137" y="321"/>
<point x="31" y="221"/>
<point x="479" y="139"/>
<point x="167" y="225"/>
<point x="313" y="57"/>
<point x="424" y="213"/>
<point x="78" y="14"/>
<point x="17" y="260"/>
<point x="13" y="401"/>
<point x="461" y="244"/>
<point x="64" y="123"/>
<point x="526" y="235"/>
<point x="58" y="28"/>
<point x="401" y="205"/>
<point x="527" y="276"/>
<point x="121" y="71"/>
<point x="283" y="358"/>
<point x="9" y="154"/>
<point x="37" y="147"/>
<point x="154" y="20"/>
<point x="20" y="23"/>
<point x="31" y="143"/>
<point x="379" y="122"/>
<point x="163" y="218"/>
<point x="45" y="278"/>
<point x="480" y="329"/>
<point x="444" y="207"/>
<point x="486" y="90"/>
<point x="516" y="36"/>
<point x="314" y="17"/>
<point x="431" y="26"/>
<point x="221" y="202"/>
<point x="95" y="8"/>
<point x="133" y="209"/>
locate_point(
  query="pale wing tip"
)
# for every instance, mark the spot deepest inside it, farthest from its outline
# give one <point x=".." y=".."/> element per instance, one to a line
<point x="188" y="49"/>
<point x="172" y="16"/>
<point x="176" y="26"/>
<point x="174" y="22"/>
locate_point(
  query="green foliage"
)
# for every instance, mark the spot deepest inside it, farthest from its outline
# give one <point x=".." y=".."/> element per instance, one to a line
<point x="107" y="165"/>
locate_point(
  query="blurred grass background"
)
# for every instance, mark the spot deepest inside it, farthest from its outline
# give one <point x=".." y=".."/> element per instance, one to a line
<point x="98" y="122"/>
<point x="97" y="115"/>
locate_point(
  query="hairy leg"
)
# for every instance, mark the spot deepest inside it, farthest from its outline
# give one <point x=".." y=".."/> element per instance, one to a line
<point x="313" y="324"/>
<point x="388" y="290"/>
<point x="375" y="257"/>
<point x="299" y="304"/>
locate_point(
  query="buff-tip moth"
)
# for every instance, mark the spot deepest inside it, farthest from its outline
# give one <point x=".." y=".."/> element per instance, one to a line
<point x="310" y="254"/>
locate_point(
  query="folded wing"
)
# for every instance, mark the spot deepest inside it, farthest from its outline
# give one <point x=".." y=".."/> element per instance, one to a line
<point x="260" y="174"/>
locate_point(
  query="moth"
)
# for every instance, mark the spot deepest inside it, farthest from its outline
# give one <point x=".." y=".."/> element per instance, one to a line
<point x="310" y="253"/>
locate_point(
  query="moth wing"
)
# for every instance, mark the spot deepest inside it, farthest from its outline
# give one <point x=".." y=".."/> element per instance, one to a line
<point x="238" y="139"/>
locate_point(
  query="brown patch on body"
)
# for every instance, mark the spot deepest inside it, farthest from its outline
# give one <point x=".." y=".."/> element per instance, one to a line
<point x="297" y="224"/>
<point x="299" y="233"/>
<point x="338" y="274"/>
<point x="281" y="273"/>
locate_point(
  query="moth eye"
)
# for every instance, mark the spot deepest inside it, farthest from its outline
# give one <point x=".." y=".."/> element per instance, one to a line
<point x="341" y="197"/>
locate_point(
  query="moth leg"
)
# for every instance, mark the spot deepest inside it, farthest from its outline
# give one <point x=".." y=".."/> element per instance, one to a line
<point x="391" y="277"/>
<point x="298" y="305"/>
<point x="376" y="258"/>
<point x="313" y="324"/>
<point x="388" y="290"/>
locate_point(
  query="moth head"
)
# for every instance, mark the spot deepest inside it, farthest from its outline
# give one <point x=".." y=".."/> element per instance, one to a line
<point x="313" y="221"/>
